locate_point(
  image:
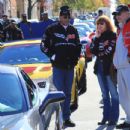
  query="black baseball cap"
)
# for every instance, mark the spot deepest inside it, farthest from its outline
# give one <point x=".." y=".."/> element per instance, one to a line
<point x="13" y="21"/>
<point x="100" y="11"/>
<point x="64" y="10"/>
<point x="121" y="8"/>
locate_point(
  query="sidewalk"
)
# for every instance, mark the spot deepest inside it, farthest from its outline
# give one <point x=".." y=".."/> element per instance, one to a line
<point x="90" y="110"/>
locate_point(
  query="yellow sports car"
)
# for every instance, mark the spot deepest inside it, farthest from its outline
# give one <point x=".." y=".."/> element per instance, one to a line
<point x="27" y="54"/>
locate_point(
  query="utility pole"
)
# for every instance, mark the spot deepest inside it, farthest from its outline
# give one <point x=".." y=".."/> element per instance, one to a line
<point x="10" y="12"/>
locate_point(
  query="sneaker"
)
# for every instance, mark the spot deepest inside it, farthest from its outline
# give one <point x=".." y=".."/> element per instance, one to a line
<point x="103" y="122"/>
<point x="110" y="123"/>
<point x="69" y="123"/>
<point x="123" y="125"/>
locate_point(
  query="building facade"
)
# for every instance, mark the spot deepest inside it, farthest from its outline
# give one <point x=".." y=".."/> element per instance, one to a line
<point x="14" y="8"/>
<point x="1" y="8"/>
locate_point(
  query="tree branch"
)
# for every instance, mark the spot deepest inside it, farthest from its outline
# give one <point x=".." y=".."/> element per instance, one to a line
<point x="34" y="3"/>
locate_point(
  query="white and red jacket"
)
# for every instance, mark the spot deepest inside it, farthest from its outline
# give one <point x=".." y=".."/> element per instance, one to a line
<point x="126" y="35"/>
<point x="122" y="52"/>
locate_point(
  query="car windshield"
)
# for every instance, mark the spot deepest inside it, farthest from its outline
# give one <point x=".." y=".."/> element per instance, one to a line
<point x="23" y="54"/>
<point x="86" y="27"/>
<point x="11" y="98"/>
<point x="82" y="32"/>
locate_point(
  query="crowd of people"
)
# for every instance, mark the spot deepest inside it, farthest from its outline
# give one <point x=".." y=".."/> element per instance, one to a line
<point x="9" y="30"/>
<point x="111" y="47"/>
<point x="112" y="50"/>
<point x="23" y="29"/>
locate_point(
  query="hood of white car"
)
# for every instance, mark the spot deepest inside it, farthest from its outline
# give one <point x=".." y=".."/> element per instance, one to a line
<point x="8" y="122"/>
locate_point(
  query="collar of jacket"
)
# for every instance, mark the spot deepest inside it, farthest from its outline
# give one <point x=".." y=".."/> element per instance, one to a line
<point x="127" y="20"/>
<point x="107" y="32"/>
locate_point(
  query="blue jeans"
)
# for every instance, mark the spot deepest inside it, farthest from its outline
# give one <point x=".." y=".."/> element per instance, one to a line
<point x="63" y="80"/>
<point x="109" y="94"/>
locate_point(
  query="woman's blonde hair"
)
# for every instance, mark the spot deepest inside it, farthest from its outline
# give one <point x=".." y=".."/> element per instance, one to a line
<point x="106" y="19"/>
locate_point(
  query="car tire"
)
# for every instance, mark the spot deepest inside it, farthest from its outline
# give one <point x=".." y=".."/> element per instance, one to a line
<point x="82" y="85"/>
<point x="55" y="120"/>
<point x="74" y="104"/>
<point x="59" y="120"/>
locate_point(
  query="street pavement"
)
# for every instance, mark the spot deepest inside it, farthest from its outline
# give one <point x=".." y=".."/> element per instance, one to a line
<point x="89" y="111"/>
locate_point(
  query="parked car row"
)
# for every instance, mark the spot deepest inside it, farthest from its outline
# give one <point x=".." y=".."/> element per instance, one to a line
<point x="27" y="55"/>
<point x="85" y="30"/>
<point x="34" y="100"/>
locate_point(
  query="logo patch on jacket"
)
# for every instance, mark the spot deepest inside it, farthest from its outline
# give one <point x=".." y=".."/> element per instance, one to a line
<point x="59" y="35"/>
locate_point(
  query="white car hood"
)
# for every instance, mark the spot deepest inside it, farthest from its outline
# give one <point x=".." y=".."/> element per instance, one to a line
<point x="9" y="121"/>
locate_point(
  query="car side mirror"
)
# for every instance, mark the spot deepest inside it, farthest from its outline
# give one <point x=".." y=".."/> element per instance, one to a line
<point x="52" y="97"/>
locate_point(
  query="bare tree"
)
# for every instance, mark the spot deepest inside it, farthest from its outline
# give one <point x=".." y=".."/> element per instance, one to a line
<point x="30" y="7"/>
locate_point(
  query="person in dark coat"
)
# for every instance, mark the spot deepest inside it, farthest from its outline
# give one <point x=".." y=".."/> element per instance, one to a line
<point x="25" y="26"/>
<point x="14" y="33"/>
<point x="103" y="47"/>
<point x="61" y="43"/>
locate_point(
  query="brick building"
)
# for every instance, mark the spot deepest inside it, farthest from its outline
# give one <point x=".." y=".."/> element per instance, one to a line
<point x="14" y="8"/>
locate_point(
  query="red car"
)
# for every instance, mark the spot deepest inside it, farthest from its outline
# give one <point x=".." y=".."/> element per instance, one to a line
<point x="88" y="52"/>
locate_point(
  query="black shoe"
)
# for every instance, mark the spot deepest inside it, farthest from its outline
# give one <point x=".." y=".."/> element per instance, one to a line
<point x="69" y="123"/>
<point x="103" y="122"/>
<point x="110" y="123"/>
<point x="123" y="125"/>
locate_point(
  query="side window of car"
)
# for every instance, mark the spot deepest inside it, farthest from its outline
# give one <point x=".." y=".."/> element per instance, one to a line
<point x="30" y="86"/>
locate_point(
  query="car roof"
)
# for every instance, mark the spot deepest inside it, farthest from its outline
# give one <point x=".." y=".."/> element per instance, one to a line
<point x="22" y="42"/>
<point x="4" y="68"/>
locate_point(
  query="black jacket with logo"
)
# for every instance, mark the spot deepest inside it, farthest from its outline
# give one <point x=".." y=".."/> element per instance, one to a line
<point x="104" y="47"/>
<point x="61" y="45"/>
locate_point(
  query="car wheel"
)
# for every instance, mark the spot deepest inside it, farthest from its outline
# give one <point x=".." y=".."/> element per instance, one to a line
<point x="74" y="104"/>
<point x="54" y="119"/>
<point x="59" y="120"/>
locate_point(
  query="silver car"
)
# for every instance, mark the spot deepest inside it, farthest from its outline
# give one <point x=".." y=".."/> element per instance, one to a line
<point x="25" y="106"/>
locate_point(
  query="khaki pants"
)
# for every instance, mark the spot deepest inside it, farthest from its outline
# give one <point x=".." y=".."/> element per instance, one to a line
<point x="123" y="81"/>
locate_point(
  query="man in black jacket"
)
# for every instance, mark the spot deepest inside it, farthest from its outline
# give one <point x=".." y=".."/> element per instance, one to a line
<point x="61" y="43"/>
<point x="25" y="26"/>
<point x="14" y="33"/>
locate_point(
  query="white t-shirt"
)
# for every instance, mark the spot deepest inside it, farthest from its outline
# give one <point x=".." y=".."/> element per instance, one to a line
<point x="120" y="59"/>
